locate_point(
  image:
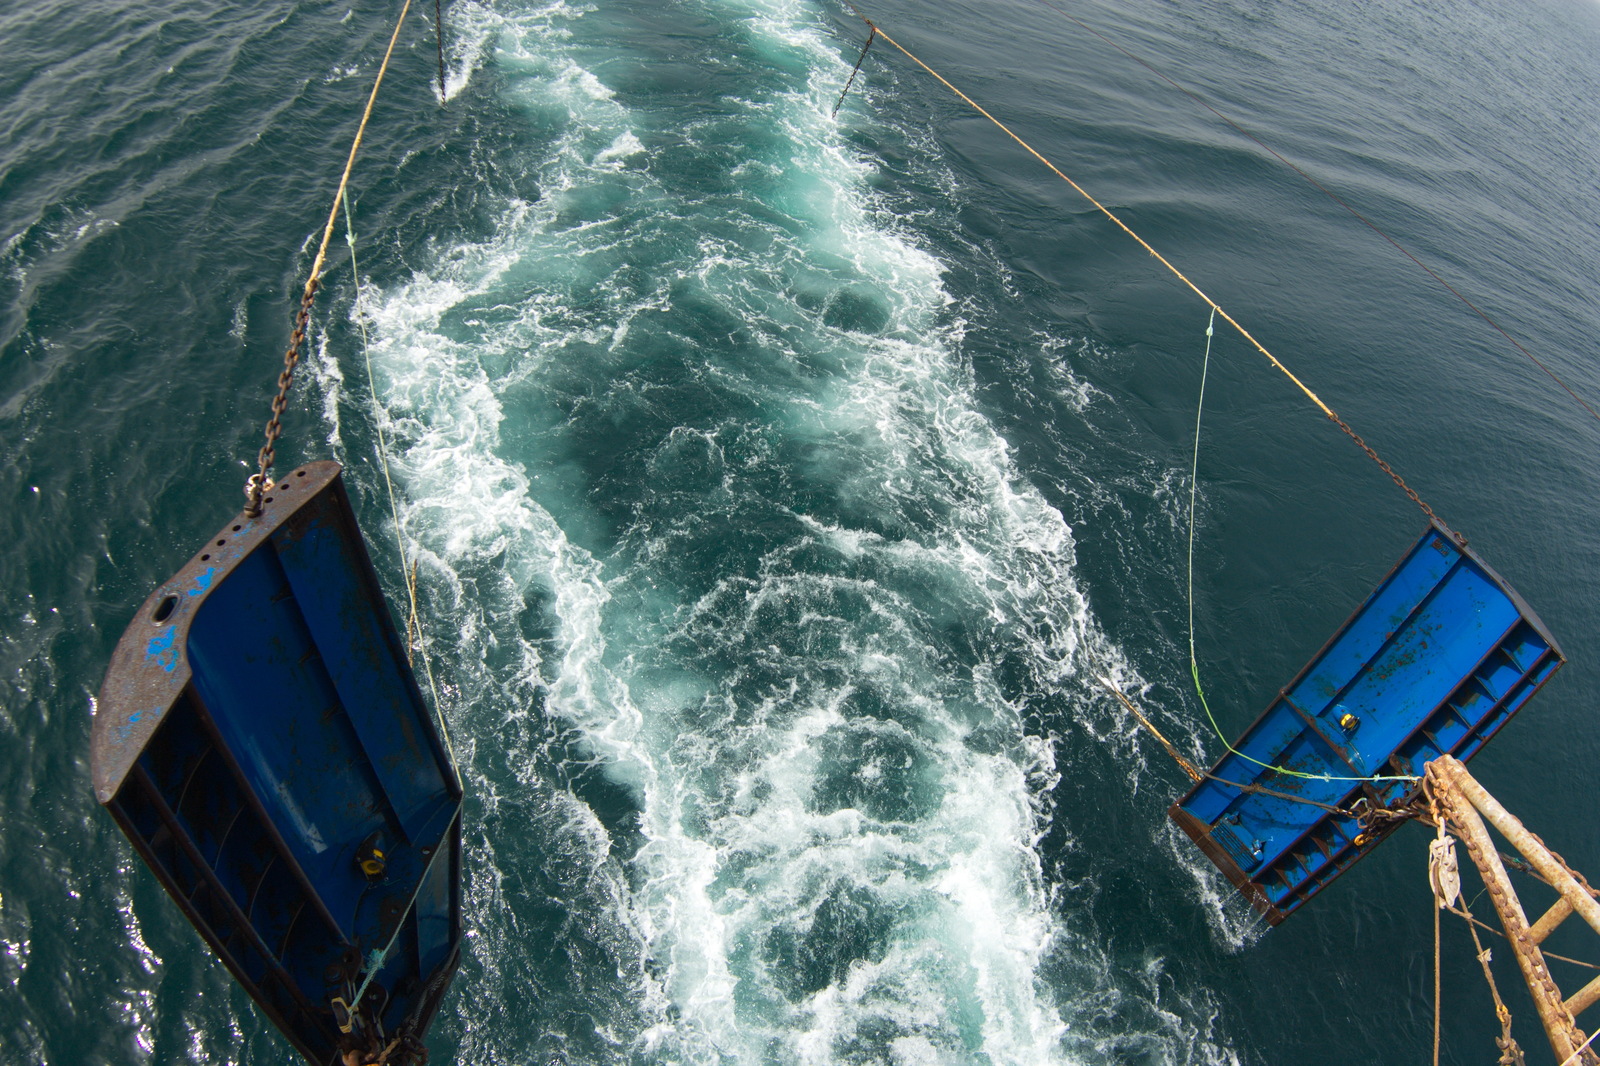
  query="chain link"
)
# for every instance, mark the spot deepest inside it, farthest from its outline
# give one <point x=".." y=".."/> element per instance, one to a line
<point x="1576" y="876"/>
<point x="291" y="359"/>
<point x="862" y="58"/>
<point x="1383" y="465"/>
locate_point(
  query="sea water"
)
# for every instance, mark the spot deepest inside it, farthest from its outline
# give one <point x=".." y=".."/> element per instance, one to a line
<point x="783" y="486"/>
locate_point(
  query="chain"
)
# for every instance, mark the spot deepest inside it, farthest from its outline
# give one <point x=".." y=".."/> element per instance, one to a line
<point x="1374" y="819"/>
<point x="1383" y="465"/>
<point x="861" y="59"/>
<point x="257" y="485"/>
<point x="291" y="358"/>
<point x="1583" y="882"/>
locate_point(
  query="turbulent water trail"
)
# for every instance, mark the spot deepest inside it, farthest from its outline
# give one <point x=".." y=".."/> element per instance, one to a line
<point x="739" y="447"/>
<point x="742" y="598"/>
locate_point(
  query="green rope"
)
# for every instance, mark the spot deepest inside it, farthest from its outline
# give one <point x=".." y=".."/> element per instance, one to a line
<point x="1194" y="660"/>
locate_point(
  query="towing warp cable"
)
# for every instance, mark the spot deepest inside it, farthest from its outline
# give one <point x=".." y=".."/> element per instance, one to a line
<point x="1332" y="416"/>
<point x="1330" y="194"/>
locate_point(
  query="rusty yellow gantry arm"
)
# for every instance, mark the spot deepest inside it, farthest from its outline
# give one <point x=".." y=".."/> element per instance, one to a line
<point x="1463" y="806"/>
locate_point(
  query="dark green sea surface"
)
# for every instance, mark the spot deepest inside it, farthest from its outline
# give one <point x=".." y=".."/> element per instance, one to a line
<point x="781" y="484"/>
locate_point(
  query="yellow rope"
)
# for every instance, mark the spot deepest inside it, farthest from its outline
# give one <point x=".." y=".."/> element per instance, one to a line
<point x="342" y="198"/>
<point x="408" y="568"/>
<point x="350" y="162"/>
<point x="1215" y="307"/>
<point x="1109" y="214"/>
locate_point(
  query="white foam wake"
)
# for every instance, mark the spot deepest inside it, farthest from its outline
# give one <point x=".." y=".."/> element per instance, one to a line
<point x="704" y="496"/>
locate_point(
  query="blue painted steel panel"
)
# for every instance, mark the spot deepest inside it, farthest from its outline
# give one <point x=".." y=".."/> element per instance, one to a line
<point x="323" y="571"/>
<point x="1436" y="660"/>
<point x="258" y="730"/>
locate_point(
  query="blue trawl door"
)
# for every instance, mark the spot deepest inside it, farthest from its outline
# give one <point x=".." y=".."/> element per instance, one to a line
<point x="261" y="740"/>
<point x="1439" y="657"/>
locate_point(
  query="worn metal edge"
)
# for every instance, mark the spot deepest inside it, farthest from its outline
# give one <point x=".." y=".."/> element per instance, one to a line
<point x="149" y="667"/>
<point x="1200" y="833"/>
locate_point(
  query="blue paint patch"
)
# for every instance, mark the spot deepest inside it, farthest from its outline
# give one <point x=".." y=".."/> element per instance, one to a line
<point x="162" y="648"/>
<point x="202" y="583"/>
